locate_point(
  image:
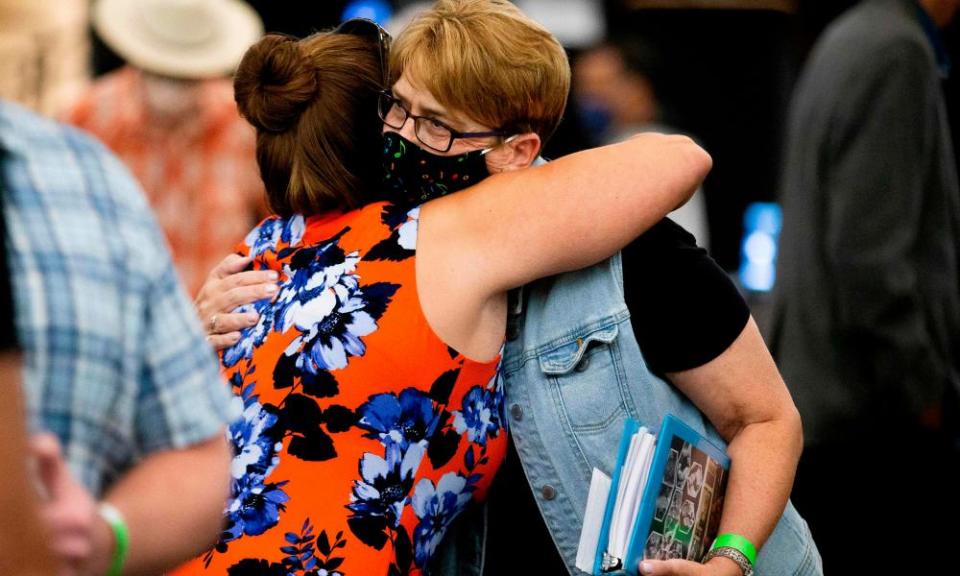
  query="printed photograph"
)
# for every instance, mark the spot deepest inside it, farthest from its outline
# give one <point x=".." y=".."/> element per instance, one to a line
<point x="684" y="460"/>
<point x="694" y="480"/>
<point x="663" y="501"/>
<point x="670" y="472"/>
<point x="652" y="550"/>
<point x="687" y="514"/>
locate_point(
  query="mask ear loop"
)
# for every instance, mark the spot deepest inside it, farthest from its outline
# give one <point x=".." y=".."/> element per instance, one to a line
<point x="492" y="148"/>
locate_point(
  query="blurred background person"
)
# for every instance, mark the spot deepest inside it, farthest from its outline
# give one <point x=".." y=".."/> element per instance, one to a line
<point x="170" y="116"/>
<point x="23" y="548"/>
<point x="44" y="52"/>
<point x="116" y="367"/>
<point x="867" y="310"/>
<point x="616" y="96"/>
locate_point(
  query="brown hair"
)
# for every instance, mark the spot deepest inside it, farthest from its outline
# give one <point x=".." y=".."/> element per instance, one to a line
<point x="488" y="60"/>
<point x="313" y="102"/>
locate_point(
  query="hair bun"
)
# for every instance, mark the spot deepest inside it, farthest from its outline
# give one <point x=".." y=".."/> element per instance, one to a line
<point x="273" y="84"/>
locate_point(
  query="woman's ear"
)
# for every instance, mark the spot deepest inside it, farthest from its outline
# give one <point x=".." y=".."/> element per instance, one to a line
<point x="517" y="152"/>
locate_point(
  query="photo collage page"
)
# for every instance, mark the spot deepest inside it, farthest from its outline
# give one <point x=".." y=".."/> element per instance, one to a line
<point x="688" y="506"/>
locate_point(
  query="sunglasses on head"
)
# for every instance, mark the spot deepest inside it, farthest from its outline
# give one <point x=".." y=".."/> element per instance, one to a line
<point x="369" y="29"/>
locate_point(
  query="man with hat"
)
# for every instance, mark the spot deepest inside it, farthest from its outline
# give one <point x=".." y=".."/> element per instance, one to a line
<point x="170" y="116"/>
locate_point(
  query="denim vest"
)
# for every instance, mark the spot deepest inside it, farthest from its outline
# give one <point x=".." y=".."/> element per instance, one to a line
<point x="573" y="373"/>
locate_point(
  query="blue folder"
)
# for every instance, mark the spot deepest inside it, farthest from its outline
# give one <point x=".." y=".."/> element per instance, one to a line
<point x="694" y="480"/>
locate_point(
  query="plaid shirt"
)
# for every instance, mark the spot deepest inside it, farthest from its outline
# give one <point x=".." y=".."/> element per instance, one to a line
<point x="116" y="362"/>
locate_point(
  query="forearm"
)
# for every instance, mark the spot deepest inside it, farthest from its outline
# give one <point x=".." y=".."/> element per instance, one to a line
<point x="173" y="505"/>
<point x="765" y="456"/>
<point x="742" y="394"/>
<point x="628" y="186"/>
<point x="23" y="549"/>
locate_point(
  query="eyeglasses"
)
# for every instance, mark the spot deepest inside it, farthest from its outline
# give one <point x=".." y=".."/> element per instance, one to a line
<point x="431" y="132"/>
<point x="369" y="29"/>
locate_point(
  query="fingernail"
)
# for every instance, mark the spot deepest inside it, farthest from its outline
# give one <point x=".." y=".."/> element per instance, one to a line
<point x="252" y="319"/>
<point x="646" y="568"/>
<point x="234" y="338"/>
<point x="272" y="275"/>
<point x="270" y="288"/>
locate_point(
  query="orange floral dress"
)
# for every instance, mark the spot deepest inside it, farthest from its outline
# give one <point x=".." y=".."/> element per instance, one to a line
<point x="363" y="435"/>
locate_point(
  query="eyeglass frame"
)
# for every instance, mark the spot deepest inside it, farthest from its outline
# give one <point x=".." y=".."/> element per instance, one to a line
<point x="363" y="27"/>
<point x="454" y="133"/>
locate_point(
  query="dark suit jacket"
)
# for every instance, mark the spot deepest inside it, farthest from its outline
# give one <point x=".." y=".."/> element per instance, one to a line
<point x="867" y="306"/>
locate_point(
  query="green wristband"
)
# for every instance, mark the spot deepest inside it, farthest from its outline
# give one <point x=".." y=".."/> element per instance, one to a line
<point x="736" y="542"/>
<point x="121" y="537"/>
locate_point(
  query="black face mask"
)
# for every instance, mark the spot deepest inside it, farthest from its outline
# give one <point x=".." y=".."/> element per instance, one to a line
<point x="411" y="175"/>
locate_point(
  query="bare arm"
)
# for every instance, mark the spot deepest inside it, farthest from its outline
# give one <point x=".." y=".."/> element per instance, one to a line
<point x="23" y="548"/>
<point x="519" y="226"/>
<point x="743" y="395"/>
<point x="510" y="229"/>
<point x="172" y="503"/>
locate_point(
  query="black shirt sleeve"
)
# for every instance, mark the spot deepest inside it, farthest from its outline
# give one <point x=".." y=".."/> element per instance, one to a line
<point x="8" y="334"/>
<point x="685" y="310"/>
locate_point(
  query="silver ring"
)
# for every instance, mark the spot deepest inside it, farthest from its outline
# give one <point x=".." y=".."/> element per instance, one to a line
<point x="212" y="324"/>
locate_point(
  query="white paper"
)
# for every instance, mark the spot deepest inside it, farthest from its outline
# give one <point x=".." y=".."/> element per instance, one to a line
<point x="617" y="519"/>
<point x="644" y="462"/>
<point x="633" y="482"/>
<point x="593" y="521"/>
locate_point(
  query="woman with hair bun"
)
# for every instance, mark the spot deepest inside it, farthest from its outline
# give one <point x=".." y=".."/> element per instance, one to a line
<point x="373" y="409"/>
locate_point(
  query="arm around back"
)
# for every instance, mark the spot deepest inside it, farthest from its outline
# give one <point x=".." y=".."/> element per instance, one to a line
<point x="519" y="226"/>
<point x="522" y="225"/>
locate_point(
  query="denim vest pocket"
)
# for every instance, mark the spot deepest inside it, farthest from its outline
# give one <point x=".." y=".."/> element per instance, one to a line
<point x="585" y="374"/>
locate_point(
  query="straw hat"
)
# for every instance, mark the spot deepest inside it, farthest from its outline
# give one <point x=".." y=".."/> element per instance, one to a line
<point x="179" y="38"/>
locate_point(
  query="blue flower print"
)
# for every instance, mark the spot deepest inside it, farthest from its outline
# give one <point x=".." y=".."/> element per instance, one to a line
<point x="335" y="336"/>
<point x="402" y="243"/>
<point x="480" y="416"/>
<point x="436" y="508"/>
<point x="252" y="336"/>
<point x="254" y="506"/>
<point x="385" y="484"/>
<point x="334" y="322"/>
<point x="407" y="232"/>
<point x="293" y="230"/>
<point x="496" y="385"/>
<point x="400" y="421"/>
<point x="312" y="272"/>
<point x="270" y="232"/>
<point x="255" y="436"/>
<point x="264" y="237"/>
<point x="323" y="299"/>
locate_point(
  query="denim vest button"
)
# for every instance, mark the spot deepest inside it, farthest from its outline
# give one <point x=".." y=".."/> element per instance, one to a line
<point x="549" y="492"/>
<point x="583" y="364"/>
<point x="516" y="412"/>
